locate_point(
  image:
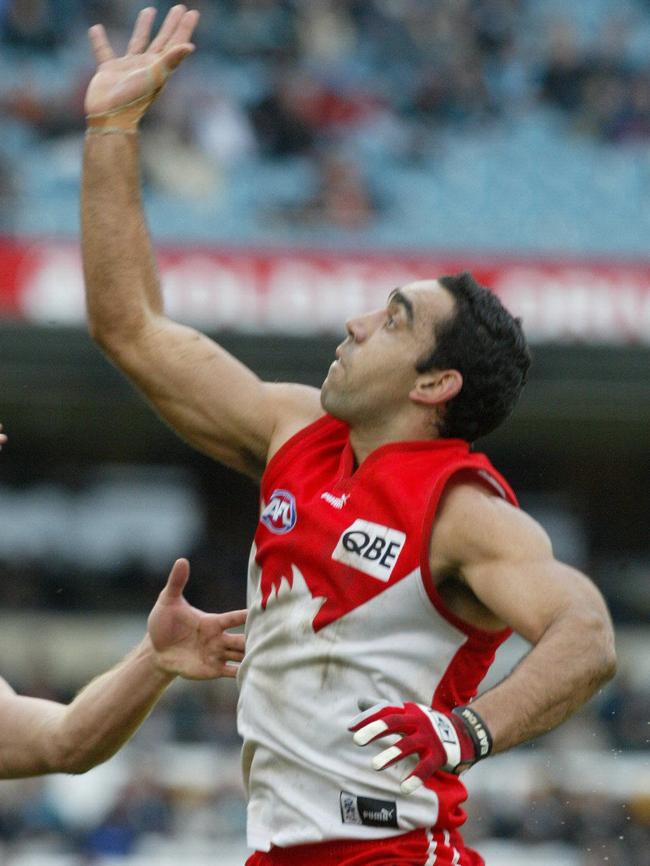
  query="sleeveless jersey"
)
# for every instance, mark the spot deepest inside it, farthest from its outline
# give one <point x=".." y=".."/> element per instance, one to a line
<point x="342" y="607"/>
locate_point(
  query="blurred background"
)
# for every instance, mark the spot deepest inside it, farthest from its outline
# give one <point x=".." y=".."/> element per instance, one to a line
<point x="312" y="155"/>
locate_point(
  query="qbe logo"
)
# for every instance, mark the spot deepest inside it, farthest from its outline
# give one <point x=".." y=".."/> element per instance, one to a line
<point x="370" y="547"/>
<point x="279" y="514"/>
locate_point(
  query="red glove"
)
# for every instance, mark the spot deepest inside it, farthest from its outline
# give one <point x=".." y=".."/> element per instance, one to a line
<point x="450" y="742"/>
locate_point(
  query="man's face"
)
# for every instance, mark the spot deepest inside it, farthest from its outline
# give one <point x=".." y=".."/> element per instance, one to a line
<point x="375" y="367"/>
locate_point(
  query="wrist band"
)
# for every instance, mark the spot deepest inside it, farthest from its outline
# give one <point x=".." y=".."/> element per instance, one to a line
<point x="477" y="730"/>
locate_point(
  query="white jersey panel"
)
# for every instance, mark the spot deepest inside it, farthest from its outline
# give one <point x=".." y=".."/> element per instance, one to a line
<point x="299" y="692"/>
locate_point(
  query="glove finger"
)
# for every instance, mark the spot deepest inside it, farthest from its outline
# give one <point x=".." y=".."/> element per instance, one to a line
<point x="387" y="758"/>
<point x="380" y="725"/>
<point x="368" y="709"/>
<point x="424" y="770"/>
<point x="410" y="784"/>
<point x="402" y="749"/>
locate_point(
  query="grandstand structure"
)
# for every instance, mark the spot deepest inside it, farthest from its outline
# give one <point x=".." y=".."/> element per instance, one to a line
<point x="307" y="159"/>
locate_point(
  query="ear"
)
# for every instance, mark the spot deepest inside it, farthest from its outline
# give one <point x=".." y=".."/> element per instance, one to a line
<point x="436" y="387"/>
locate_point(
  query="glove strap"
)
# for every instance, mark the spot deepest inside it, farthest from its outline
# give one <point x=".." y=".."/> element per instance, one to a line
<point x="477" y="730"/>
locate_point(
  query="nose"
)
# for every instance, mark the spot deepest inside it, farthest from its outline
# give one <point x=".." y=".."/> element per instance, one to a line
<point x="361" y="327"/>
<point x="355" y="329"/>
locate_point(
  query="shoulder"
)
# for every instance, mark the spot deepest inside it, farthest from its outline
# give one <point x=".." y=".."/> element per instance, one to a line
<point x="295" y="407"/>
<point x="474" y="523"/>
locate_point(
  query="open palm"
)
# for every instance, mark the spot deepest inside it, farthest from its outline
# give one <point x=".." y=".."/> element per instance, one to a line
<point x="143" y="70"/>
<point x="189" y="642"/>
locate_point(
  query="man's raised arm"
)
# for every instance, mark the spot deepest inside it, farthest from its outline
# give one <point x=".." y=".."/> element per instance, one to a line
<point x="211" y="399"/>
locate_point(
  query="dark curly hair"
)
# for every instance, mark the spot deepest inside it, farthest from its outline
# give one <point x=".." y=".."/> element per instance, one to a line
<point x="488" y="348"/>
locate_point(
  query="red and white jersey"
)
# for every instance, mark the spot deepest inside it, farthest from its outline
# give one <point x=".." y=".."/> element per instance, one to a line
<point x="342" y="607"/>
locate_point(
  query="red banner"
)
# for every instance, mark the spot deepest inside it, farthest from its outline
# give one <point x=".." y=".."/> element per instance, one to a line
<point x="308" y="292"/>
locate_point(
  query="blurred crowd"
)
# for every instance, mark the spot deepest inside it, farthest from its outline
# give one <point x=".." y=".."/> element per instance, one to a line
<point x="342" y="84"/>
<point x="603" y="828"/>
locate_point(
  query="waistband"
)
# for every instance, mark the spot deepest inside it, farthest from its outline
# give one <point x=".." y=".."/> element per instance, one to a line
<point x="416" y="848"/>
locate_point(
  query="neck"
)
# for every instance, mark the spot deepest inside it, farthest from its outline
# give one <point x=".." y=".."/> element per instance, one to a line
<point x="365" y="439"/>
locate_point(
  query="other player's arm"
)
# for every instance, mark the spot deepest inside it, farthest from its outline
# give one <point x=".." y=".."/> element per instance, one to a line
<point x="506" y="560"/>
<point x="40" y="736"/>
<point x="206" y="395"/>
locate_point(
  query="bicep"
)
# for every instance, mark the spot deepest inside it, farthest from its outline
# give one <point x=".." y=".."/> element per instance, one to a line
<point x="530" y="593"/>
<point x="506" y="559"/>
<point x="210" y="398"/>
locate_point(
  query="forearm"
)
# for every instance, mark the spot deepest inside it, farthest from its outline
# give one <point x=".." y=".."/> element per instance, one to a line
<point x="571" y="660"/>
<point x="122" y="285"/>
<point x="106" y="713"/>
<point x="40" y="736"/>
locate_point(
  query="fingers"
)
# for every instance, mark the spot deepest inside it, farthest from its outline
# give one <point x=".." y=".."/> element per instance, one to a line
<point x="141" y="31"/>
<point x="173" y="24"/>
<point x="232" y="618"/>
<point x="370" y="732"/>
<point x="3" y="438"/>
<point x="175" y="55"/>
<point x="230" y="671"/>
<point x="410" y="784"/>
<point x="100" y="44"/>
<point x="369" y="708"/>
<point x="423" y="770"/>
<point x="185" y="28"/>
<point x="225" y="642"/>
<point x="178" y="577"/>
<point x="405" y="747"/>
<point x="235" y="642"/>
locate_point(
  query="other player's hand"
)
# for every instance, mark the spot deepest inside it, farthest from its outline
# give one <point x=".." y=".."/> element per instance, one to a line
<point x="3" y="438"/>
<point x="124" y="87"/>
<point x="189" y="642"/>
<point x="441" y="741"/>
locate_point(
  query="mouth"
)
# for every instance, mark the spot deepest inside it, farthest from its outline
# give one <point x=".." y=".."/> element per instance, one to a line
<point x="339" y="355"/>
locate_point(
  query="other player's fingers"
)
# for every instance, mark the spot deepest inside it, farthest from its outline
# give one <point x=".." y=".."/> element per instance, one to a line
<point x="100" y="44"/>
<point x="223" y="642"/>
<point x="233" y="618"/>
<point x="177" y="580"/>
<point x="168" y="27"/>
<point x="141" y="31"/>
<point x="230" y="670"/>
<point x="236" y="642"/>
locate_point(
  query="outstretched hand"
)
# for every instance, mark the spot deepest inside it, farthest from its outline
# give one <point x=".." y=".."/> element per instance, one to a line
<point x="189" y="642"/>
<point x="139" y="75"/>
<point x="3" y="438"/>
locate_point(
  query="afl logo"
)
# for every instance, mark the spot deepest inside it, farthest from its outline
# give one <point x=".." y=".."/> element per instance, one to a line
<point x="279" y="515"/>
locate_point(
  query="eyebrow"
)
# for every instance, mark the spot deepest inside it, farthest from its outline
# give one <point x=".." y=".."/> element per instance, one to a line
<point x="398" y="297"/>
